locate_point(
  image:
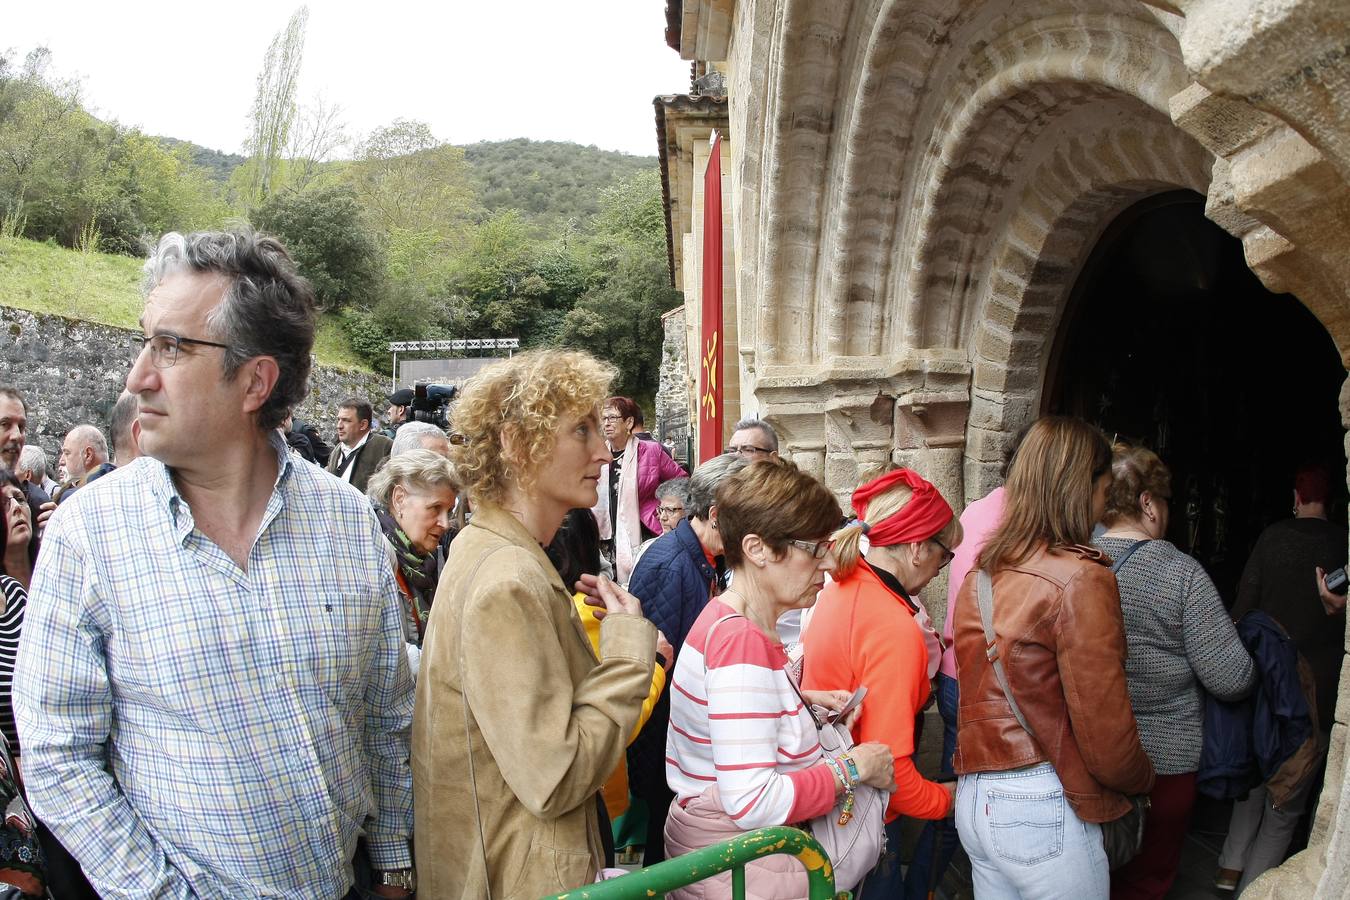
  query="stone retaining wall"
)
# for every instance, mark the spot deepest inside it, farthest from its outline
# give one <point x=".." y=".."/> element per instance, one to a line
<point x="71" y="371"/>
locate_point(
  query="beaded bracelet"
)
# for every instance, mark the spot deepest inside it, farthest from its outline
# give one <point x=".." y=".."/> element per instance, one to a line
<point x="838" y="771"/>
<point x="852" y="769"/>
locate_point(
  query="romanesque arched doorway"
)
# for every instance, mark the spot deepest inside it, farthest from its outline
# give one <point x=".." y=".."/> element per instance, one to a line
<point x="1169" y="339"/>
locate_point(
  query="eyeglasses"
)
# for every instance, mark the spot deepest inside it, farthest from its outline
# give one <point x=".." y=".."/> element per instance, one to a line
<point x="663" y="511"/>
<point x="612" y="418"/>
<point x="947" y="554"/>
<point x="164" y="347"/>
<point x="746" y="450"/>
<point x="817" y="549"/>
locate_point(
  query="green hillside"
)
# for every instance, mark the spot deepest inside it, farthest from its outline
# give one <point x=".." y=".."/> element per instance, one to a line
<point x="105" y="288"/>
<point x="548" y="181"/>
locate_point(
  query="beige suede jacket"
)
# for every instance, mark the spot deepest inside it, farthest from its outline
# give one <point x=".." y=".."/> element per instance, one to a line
<point x="547" y="721"/>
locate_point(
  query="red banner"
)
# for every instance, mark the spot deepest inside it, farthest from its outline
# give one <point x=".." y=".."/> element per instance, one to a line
<point x="710" y="365"/>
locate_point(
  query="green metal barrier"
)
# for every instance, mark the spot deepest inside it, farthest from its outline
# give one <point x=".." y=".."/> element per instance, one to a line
<point x="655" y="881"/>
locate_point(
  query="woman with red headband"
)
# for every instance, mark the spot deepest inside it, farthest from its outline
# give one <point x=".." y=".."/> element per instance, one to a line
<point x="867" y="629"/>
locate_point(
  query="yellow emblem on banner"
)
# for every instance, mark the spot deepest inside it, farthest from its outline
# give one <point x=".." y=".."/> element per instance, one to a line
<point x="709" y="402"/>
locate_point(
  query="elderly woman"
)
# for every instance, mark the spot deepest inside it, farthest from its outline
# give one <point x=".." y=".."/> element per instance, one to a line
<point x="675" y="578"/>
<point x="1181" y="644"/>
<point x="414" y="497"/>
<point x="867" y="630"/>
<point x="734" y="704"/>
<point x="1038" y="778"/>
<point x="518" y="724"/>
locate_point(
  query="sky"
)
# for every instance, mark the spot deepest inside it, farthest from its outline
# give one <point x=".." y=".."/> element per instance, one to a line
<point x="473" y="71"/>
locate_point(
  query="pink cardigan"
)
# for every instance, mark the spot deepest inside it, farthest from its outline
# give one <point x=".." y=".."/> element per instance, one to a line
<point x="978" y="522"/>
<point x="654" y="467"/>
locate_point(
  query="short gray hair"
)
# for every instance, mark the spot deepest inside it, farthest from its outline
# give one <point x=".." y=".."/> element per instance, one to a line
<point x="90" y="436"/>
<point x="416" y="470"/>
<point x="124" y="413"/>
<point x="410" y="435"/>
<point x="267" y="309"/>
<point x="33" y="458"/>
<point x="676" y="488"/>
<point x="705" y="480"/>
<point x="764" y="428"/>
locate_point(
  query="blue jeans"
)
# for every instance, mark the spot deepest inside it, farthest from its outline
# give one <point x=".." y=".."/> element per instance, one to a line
<point x="921" y="868"/>
<point x="1024" y="840"/>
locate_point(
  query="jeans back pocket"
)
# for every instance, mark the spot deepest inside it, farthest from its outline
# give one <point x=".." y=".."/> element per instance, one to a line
<point x="1026" y="828"/>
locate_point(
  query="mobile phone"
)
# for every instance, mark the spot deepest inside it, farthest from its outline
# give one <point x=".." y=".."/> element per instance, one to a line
<point x="1337" y="581"/>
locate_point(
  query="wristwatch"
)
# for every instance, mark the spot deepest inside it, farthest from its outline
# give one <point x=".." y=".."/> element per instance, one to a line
<point x="400" y="878"/>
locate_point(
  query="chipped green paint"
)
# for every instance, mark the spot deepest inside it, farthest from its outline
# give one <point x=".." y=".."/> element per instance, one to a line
<point x="657" y="880"/>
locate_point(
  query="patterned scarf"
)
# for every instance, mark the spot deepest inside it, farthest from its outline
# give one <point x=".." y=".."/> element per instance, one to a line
<point x="420" y="570"/>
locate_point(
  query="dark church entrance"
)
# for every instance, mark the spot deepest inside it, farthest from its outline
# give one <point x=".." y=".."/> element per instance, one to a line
<point x="1171" y="341"/>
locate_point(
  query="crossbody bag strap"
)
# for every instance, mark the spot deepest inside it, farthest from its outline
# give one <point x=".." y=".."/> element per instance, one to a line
<point x="1115" y="567"/>
<point x="468" y="733"/>
<point x="985" y="594"/>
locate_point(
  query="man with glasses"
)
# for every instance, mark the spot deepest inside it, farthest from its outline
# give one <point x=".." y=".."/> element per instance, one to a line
<point x="754" y="439"/>
<point x="212" y="691"/>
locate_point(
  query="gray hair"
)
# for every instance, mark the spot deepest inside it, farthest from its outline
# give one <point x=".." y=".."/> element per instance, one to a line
<point x="704" y="482"/>
<point x="124" y="413"/>
<point x="416" y="470"/>
<point x="410" y="435"/>
<point x="267" y="309"/>
<point x="90" y="436"/>
<point x="764" y="428"/>
<point x="676" y="489"/>
<point x="33" y="458"/>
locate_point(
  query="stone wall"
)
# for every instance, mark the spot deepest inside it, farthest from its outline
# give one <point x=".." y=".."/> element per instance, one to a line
<point x="71" y="371"/>
<point x="672" y="392"/>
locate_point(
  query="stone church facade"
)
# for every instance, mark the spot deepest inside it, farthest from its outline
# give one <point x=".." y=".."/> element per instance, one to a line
<point x="913" y="186"/>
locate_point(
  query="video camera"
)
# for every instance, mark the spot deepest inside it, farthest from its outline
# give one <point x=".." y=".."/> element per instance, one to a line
<point x="429" y="403"/>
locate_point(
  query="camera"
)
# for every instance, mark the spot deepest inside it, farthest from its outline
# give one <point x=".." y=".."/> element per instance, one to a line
<point x="1337" y="581"/>
<point x="429" y="403"/>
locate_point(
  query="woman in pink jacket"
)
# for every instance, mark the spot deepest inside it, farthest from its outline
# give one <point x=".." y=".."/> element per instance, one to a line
<point x="626" y="510"/>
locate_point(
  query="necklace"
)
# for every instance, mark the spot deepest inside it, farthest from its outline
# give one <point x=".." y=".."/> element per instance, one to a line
<point x="1136" y="533"/>
<point x="743" y="607"/>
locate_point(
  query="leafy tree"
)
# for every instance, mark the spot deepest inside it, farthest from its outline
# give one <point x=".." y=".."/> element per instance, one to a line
<point x="327" y="235"/>
<point x="409" y="180"/>
<point x="274" y="106"/>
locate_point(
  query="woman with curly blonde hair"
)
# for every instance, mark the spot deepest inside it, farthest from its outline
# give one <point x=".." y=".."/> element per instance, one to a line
<point x="518" y="724"/>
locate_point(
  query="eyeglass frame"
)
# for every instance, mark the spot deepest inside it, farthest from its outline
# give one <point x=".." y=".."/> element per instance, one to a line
<point x="743" y="449"/>
<point x="813" y="547"/>
<point x="669" y="510"/>
<point x="175" y="342"/>
<point x="948" y="554"/>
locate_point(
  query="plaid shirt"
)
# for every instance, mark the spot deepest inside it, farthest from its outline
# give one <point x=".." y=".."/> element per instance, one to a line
<point x="191" y="729"/>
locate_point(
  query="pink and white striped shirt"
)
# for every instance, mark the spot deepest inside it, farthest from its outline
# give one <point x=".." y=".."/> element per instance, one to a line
<point x="736" y="721"/>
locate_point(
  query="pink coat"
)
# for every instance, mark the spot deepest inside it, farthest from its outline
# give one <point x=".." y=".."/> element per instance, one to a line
<point x="654" y="467"/>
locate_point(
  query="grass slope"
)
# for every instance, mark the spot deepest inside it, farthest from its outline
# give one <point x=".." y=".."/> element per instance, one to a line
<point x="100" y="287"/>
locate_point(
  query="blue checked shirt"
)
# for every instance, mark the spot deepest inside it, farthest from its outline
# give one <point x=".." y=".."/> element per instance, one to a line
<point x="194" y="730"/>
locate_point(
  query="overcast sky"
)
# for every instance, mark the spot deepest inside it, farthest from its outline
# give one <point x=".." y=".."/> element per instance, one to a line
<point x="473" y="70"/>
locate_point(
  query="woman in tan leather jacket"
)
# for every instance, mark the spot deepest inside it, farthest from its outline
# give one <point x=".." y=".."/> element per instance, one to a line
<point x="1029" y="803"/>
<point x="519" y="721"/>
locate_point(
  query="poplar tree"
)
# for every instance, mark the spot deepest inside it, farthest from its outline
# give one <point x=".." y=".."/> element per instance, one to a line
<point x="274" y="107"/>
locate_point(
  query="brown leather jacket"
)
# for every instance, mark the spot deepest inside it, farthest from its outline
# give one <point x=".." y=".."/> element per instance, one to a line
<point x="1062" y="640"/>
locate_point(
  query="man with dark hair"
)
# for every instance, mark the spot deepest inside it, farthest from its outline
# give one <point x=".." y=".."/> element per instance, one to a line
<point x="212" y="692"/>
<point x="397" y="414"/>
<point x="1281" y="579"/>
<point x="13" y="427"/>
<point x="359" y="451"/>
<point x="125" y="429"/>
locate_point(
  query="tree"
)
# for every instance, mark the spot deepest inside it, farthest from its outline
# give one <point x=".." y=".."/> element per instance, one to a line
<point x="326" y="233"/>
<point x="409" y="180"/>
<point x="274" y="106"/>
<point x="316" y="135"/>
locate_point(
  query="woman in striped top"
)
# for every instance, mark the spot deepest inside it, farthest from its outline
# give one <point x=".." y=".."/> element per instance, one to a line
<point x="15" y="524"/>
<point x="742" y="751"/>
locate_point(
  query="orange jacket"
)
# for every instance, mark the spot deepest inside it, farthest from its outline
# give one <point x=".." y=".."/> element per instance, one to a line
<point x="615" y="790"/>
<point x="861" y="633"/>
